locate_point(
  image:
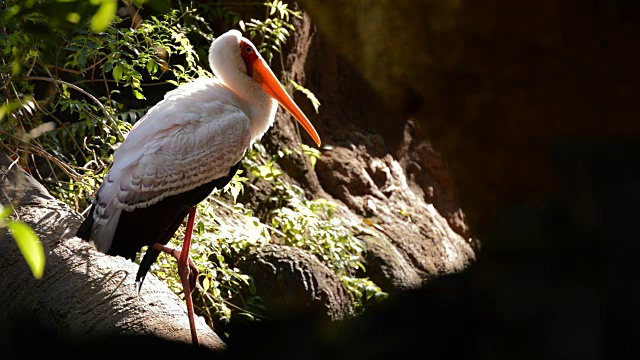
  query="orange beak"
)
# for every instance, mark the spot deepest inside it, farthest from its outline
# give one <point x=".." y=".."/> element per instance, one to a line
<point x="265" y="77"/>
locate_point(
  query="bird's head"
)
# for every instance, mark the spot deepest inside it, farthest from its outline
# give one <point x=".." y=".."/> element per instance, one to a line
<point x="233" y="56"/>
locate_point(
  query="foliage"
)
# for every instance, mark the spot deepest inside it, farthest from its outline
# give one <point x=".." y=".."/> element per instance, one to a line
<point x="314" y="100"/>
<point x="27" y="240"/>
<point x="312" y="226"/>
<point x="273" y="31"/>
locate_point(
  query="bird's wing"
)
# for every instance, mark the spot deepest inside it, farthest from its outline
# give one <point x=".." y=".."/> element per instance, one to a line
<point x="188" y="139"/>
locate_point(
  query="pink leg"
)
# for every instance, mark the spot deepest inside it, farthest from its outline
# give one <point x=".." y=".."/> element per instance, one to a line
<point x="187" y="270"/>
<point x="183" y="270"/>
<point x="193" y="270"/>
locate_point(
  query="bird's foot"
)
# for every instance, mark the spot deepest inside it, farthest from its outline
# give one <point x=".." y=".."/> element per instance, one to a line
<point x="191" y="270"/>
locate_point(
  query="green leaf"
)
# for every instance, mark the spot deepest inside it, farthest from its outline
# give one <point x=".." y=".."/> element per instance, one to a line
<point x="152" y="67"/>
<point x="105" y="14"/>
<point x="381" y="296"/>
<point x="73" y="17"/>
<point x="29" y="246"/>
<point x="5" y="211"/>
<point x="11" y="12"/>
<point x="314" y="101"/>
<point x="8" y="108"/>
<point x="117" y="72"/>
<point x="138" y="95"/>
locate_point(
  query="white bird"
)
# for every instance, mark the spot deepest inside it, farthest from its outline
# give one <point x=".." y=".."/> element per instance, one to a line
<point x="187" y="145"/>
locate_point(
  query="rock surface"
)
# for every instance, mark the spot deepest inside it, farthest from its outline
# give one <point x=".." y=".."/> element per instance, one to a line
<point x="500" y="89"/>
<point x="413" y="242"/>
<point x="376" y="166"/>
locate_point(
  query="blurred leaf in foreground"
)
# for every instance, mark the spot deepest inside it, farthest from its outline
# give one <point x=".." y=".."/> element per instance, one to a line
<point x="27" y="241"/>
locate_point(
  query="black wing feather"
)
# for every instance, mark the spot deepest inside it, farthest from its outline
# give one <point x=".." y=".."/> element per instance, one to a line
<point x="155" y="224"/>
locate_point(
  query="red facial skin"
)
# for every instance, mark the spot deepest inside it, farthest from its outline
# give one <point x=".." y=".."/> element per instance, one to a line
<point x="248" y="53"/>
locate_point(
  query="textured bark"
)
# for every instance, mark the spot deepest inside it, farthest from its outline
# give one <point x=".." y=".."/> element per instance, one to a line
<point x="291" y="281"/>
<point x="83" y="294"/>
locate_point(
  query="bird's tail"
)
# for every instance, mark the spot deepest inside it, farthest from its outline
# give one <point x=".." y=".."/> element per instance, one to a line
<point x="149" y="258"/>
<point x="99" y="232"/>
<point x="84" y="231"/>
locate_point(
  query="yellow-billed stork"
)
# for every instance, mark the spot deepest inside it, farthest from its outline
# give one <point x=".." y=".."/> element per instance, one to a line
<point x="187" y="145"/>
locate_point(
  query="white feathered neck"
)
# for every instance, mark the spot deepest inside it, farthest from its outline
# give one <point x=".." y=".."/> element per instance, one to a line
<point x="229" y="67"/>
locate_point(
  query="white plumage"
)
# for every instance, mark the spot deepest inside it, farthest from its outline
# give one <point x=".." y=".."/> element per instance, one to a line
<point x="176" y="147"/>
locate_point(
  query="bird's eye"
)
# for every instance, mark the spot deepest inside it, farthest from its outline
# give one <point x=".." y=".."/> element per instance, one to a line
<point x="248" y="49"/>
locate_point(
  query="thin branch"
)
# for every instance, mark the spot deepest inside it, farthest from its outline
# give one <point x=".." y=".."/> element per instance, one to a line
<point x="78" y="72"/>
<point x="63" y="125"/>
<point x="113" y="81"/>
<point x="77" y="88"/>
<point x="37" y="148"/>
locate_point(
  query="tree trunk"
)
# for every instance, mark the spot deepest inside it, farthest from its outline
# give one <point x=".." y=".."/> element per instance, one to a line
<point x="375" y="165"/>
<point x="83" y="294"/>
